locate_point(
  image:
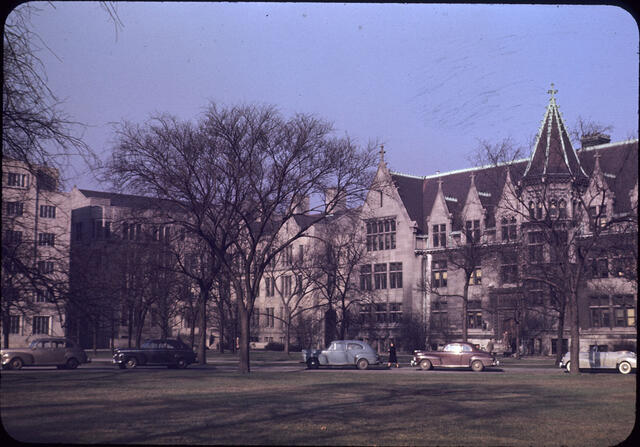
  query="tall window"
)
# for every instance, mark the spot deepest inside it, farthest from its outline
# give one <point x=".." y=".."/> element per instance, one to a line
<point x="536" y="241"/>
<point x="509" y="229"/>
<point x="474" y="314"/>
<point x="381" y="234"/>
<point x="562" y="209"/>
<point x="365" y="313"/>
<point x="46" y="239"/>
<point x="440" y="235"/>
<point x="532" y="210"/>
<point x="439" y="315"/>
<point x="44" y="296"/>
<point x="14" y="324"/>
<point x="472" y="228"/>
<point x="47" y="211"/>
<point x="600" y="311"/>
<point x="395" y="312"/>
<point x="395" y="275"/>
<point x="40" y="325"/>
<point x="13" y="237"/>
<point x="381" y="312"/>
<point x="476" y="277"/>
<point x="509" y="267"/>
<point x="439" y="273"/>
<point x="287" y="255"/>
<point x="365" y="277"/>
<point x="553" y="209"/>
<point x="45" y="267"/>
<point x="599" y="268"/>
<point x="286" y="285"/>
<point x="255" y="317"/>
<point x="269" y="317"/>
<point x="380" y="276"/>
<point x="624" y="311"/>
<point x="602" y="216"/>
<point x="269" y="286"/>
<point x="539" y="210"/>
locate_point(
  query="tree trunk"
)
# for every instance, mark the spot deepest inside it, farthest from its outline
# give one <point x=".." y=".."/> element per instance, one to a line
<point x="465" y="297"/>
<point x="202" y="348"/>
<point x="287" y="333"/>
<point x="221" y="322"/>
<point x="329" y="326"/>
<point x="560" y="335"/>
<point x="5" y="331"/>
<point x="243" y="317"/>
<point x="575" y="332"/>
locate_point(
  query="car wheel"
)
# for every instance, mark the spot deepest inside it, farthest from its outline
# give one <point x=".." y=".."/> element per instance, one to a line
<point x="131" y="362"/>
<point x="313" y="363"/>
<point x="16" y="363"/>
<point x="362" y="364"/>
<point x="182" y="364"/>
<point x="477" y="366"/>
<point x="425" y="365"/>
<point x="624" y="368"/>
<point x="568" y="367"/>
<point x="72" y="363"/>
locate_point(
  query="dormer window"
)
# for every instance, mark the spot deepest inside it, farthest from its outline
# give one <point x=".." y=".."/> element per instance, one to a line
<point x="472" y="231"/>
<point x="553" y="209"/>
<point x="509" y="229"/>
<point x="539" y="210"/>
<point x="381" y="234"/>
<point x="562" y="209"/>
<point x="440" y="235"/>
<point x="532" y="210"/>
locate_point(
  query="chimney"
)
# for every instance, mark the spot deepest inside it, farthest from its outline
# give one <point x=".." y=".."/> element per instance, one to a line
<point x="594" y="139"/>
<point x="330" y="200"/>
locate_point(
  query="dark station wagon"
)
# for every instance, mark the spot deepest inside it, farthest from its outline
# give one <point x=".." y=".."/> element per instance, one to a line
<point x="455" y="355"/>
<point x="161" y="352"/>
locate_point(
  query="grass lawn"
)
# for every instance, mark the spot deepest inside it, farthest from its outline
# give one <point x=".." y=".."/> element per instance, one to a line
<point x="339" y="407"/>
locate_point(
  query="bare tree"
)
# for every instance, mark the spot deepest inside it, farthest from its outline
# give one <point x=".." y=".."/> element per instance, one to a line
<point x="238" y="178"/>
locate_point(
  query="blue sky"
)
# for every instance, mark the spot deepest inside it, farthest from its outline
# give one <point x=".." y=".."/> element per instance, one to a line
<point x="429" y="81"/>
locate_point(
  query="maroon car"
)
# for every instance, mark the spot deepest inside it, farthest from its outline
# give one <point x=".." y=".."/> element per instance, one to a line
<point x="455" y="355"/>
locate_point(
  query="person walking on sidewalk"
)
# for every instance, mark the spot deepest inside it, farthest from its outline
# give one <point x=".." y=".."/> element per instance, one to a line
<point x="392" y="355"/>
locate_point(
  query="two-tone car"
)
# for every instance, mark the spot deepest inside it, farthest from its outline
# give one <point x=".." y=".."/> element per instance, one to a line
<point x="342" y="353"/>
<point x="159" y="352"/>
<point x="455" y="355"/>
<point x="61" y="352"/>
<point x="623" y="361"/>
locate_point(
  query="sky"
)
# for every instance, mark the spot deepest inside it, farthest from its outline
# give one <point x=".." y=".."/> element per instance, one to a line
<point x="428" y="81"/>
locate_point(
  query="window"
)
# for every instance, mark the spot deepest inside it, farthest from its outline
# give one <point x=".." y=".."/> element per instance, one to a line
<point x="15" y="179"/>
<point x="553" y="209"/>
<point x="47" y="211"/>
<point x="599" y="268"/>
<point x="440" y="235"/>
<point x="13" y="237"/>
<point x="270" y="286"/>
<point x="381" y="313"/>
<point x="46" y="239"/>
<point x="600" y="311"/>
<point x="287" y="255"/>
<point x="286" y="285"/>
<point x="40" y="325"/>
<point x="472" y="231"/>
<point x="395" y="275"/>
<point x="532" y="210"/>
<point x="14" y="208"/>
<point x="439" y="273"/>
<point x="474" y="314"/>
<point x="365" y="277"/>
<point x="300" y="253"/>
<point x="509" y="267"/>
<point x="536" y="240"/>
<point x="381" y="234"/>
<point x="365" y="313"/>
<point x="14" y="324"/>
<point x="44" y="296"/>
<point x="562" y="209"/>
<point x="380" y="276"/>
<point x="539" y="210"/>
<point x="439" y="315"/>
<point x="536" y="292"/>
<point x="624" y="311"/>
<point x="509" y="229"/>
<point x="476" y="277"/>
<point x="269" y="317"/>
<point x="395" y="312"/>
<point x="45" y="267"/>
<point x="298" y="283"/>
<point x="255" y="317"/>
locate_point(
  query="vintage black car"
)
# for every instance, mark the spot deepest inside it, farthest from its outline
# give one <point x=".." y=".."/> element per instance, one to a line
<point x="160" y="352"/>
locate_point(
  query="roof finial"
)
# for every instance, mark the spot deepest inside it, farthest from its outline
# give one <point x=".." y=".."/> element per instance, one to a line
<point x="382" y="152"/>
<point x="552" y="91"/>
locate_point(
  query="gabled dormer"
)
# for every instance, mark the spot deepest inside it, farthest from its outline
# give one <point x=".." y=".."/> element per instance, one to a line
<point x="598" y="197"/>
<point x="553" y="158"/>
<point x="439" y="219"/>
<point x="472" y="213"/>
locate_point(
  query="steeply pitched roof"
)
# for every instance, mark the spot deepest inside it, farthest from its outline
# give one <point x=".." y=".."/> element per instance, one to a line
<point x="553" y="155"/>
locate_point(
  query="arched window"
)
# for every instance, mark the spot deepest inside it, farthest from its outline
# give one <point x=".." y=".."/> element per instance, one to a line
<point x="553" y="209"/>
<point x="562" y="209"/>
<point x="532" y="209"/>
<point x="539" y="210"/>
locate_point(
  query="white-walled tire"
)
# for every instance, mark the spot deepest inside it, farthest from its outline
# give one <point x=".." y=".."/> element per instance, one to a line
<point x="362" y="364"/>
<point x="624" y="368"/>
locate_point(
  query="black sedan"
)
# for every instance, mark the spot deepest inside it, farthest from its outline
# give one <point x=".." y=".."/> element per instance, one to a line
<point x="161" y="352"/>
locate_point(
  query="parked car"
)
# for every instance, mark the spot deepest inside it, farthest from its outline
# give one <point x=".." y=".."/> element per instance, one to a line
<point x="164" y="352"/>
<point x="623" y="361"/>
<point x="342" y="353"/>
<point x="51" y="351"/>
<point x="455" y="355"/>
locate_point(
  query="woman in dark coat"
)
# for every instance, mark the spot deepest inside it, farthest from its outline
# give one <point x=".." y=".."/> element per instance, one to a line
<point x="392" y="355"/>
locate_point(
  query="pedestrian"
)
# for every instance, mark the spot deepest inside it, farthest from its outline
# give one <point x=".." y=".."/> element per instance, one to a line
<point x="392" y="355"/>
<point x="490" y="346"/>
